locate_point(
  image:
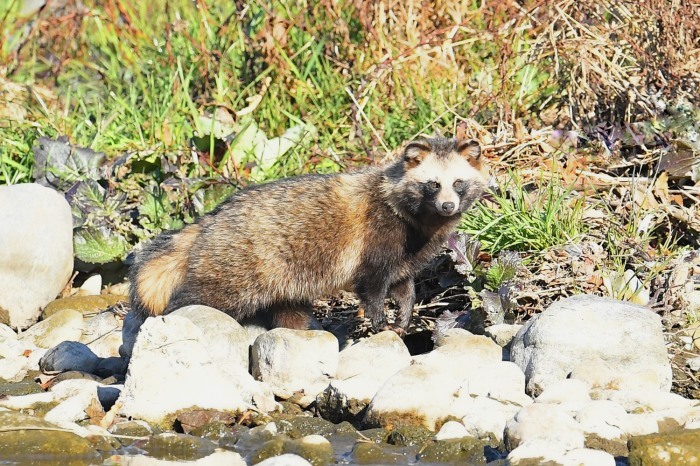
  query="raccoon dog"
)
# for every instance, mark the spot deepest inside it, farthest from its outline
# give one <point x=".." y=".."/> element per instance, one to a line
<point x="269" y="250"/>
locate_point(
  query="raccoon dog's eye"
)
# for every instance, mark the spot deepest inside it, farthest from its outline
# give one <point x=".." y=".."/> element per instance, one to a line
<point x="434" y="185"/>
<point x="460" y="185"/>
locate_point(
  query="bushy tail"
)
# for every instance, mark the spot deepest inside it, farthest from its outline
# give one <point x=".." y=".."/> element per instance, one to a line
<point x="159" y="270"/>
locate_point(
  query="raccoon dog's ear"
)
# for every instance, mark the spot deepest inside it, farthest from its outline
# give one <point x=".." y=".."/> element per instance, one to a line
<point x="469" y="148"/>
<point x="415" y="152"/>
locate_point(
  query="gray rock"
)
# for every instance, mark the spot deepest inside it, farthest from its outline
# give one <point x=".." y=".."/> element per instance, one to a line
<point x="69" y="356"/>
<point x="36" y="251"/>
<point x="170" y="370"/>
<point x="628" y="338"/>
<point x="295" y="361"/>
<point x="65" y="325"/>
<point x="226" y="340"/>
<point x="103" y="334"/>
<point x="362" y="370"/>
<point x="111" y="366"/>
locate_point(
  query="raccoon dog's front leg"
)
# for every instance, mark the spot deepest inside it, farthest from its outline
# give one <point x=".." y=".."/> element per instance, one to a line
<point x="372" y="299"/>
<point x="404" y="295"/>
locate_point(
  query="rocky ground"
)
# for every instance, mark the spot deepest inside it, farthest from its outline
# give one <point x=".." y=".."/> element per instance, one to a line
<point x="587" y="381"/>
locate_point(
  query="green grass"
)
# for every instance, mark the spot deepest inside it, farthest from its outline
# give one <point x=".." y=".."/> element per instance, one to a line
<point x="519" y="220"/>
<point x="138" y="77"/>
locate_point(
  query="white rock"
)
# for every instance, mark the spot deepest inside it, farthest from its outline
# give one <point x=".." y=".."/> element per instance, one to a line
<point x="502" y="335"/>
<point x="544" y="423"/>
<point x="103" y="334"/>
<point x="640" y="424"/>
<point x="487" y="417"/>
<point x="451" y="430"/>
<point x="287" y="459"/>
<point x="36" y="251"/>
<point x="473" y="349"/>
<point x="91" y="287"/>
<point x="64" y="325"/>
<point x="226" y="340"/>
<point x="402" y="399"/>
<point x="694" y="364"/>
<point x="362" y="370"/>
<point x="73" y="408"/>
<point x="552" y="344"/>
<point x="6" y="333"/>
<point x="643" y="400"/>
<point x="58" y="393"/>
<point x="476" y="361"/>
<point x="295" y="361"/>
<point x="540" y="450"/>
<point x="603" y="418"/>
<point x="462" y="367"/>
<point x="171" y="370"/>
<point x="569" y="394"/>
<point x="26" y="351"/>
<point x="13" y="369"/>
<point x="588" y="457"/>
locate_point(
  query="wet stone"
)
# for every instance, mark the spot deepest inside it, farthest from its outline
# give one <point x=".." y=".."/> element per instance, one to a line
<point x="409" y="436"/>
<point x="313" y="448"/>
<point x="671" y="448"/>
<point x="132" y="429"/>
<point x="26" y="439"/>
<point x="84" y="304"/>
<point x="181" y="447"/>
<point x="376" y="435"/>
<point x="230" y="438"/>
<point x="373" y="453"/>
<point x="467" y="450"/>
<point x="274" y="447"/>
<point x="297" y="427"/>
<point x="25" y="387"/>
<point x="195" y="419"/>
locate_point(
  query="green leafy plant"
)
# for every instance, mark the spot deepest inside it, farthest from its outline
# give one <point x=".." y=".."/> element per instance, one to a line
<point x="521" y="220"/>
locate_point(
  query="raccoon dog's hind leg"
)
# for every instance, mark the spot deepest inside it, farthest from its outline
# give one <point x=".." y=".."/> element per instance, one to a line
<point x="294" y="315"/>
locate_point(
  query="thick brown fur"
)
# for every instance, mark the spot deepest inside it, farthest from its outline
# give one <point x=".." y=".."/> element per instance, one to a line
<point x="271" y="249"/>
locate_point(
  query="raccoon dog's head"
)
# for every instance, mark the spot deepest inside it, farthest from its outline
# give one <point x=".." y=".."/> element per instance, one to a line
<point x="439" y="176"/>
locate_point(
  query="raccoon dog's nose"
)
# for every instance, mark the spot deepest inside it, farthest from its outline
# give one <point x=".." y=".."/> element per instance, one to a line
<point x="448" y="207"/>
